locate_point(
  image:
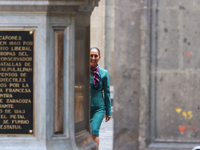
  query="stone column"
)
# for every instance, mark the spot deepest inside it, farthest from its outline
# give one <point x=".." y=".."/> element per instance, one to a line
<point x="98" y="30"/>
<point x="127" y="74"/>
<point x="109" y="38"/>
<point x="55" y="45"/>
<point x="102" y="33"/>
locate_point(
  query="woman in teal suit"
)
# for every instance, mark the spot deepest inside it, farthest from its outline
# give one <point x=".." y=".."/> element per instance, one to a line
<point x="99" y="103"/>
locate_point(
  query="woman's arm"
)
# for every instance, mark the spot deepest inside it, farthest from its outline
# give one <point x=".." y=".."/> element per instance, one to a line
<point x="107" y="95"/>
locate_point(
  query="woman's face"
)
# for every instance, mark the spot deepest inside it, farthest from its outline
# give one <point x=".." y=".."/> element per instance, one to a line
<point x="94" y="57"/>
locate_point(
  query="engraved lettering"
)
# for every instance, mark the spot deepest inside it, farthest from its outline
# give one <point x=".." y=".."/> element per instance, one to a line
<point x="6" y="37"/>
<point x="8" y="111"/>
<point x="14" y="43"/>
<point x="12" y="79"/>
<point x="6" y="106"/>
<point x="10" y="127"/>
<point x="27" y="43"/>
<point x="3" y="43"/>
<point x="26" y="101"/>
<point x="6" y="96"/>
<point x="4" y="48"/>
<point x="3" y="85"/>
<point x="5" y="121"/>
<point x="20" y="121"/>
<point x="18" y="90"/>
<point x="21" y="48"/>
<point x="8" y="75"/>
<point x="22" y="54"/>
<point x="19" y="111"/>
<point x="13" y="84"/>
<point x="16" y="58"/>
<point x="18" y="69"/>
<point x="28" y="64"/>
<point x="21" y="117"/>
<point x="7" y="53"/>
<point x="3" y="117"/>
<point x="10" y="64"/>
<point x="25" y="85"/>
<point x="23" y="75"/>
<point x="13" y="116"/>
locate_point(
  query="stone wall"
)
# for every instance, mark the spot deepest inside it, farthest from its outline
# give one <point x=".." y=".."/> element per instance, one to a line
<point x="156" y="75"/>
<point x="174" y="74"/>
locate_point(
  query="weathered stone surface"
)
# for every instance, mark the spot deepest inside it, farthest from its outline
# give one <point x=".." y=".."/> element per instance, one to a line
<point x="197" y="4"/>
<point x="184" y="4"/>
<point x="174" y="75"/>
<point x="170" y="97"/>
<point x="126" y="75"/>
<point x="190" y="35"/>
<point x="168" y="3"/>
<point x="109" y="24"/>
<point x="168" y="39"/>
<point x="156" y="56"/>
<point x="111" y="2"/>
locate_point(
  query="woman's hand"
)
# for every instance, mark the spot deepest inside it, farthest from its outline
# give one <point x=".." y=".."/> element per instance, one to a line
<point x="108" y="118"/>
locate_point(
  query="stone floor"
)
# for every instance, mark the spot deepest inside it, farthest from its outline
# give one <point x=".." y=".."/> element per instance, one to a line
<point x="106" y="135"/>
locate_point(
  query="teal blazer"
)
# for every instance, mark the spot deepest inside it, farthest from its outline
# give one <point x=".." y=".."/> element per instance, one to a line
<point x="97" y="98"/>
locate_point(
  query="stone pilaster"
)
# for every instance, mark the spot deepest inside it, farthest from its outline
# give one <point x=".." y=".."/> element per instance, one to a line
<point x="127" y="74"/>
<point x="45" y="18"/>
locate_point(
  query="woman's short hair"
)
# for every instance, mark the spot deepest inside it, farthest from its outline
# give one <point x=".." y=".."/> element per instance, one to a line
<point x="96" y="49"/>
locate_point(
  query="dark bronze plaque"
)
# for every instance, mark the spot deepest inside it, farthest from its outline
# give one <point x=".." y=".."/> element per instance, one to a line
<point x="16" y="82"/>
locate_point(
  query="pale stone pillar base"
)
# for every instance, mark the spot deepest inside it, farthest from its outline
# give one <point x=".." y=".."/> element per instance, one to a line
<point x="45" y="18"/>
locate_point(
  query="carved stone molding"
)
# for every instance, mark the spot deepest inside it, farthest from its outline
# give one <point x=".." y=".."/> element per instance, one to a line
<point x="48" y="6"/>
